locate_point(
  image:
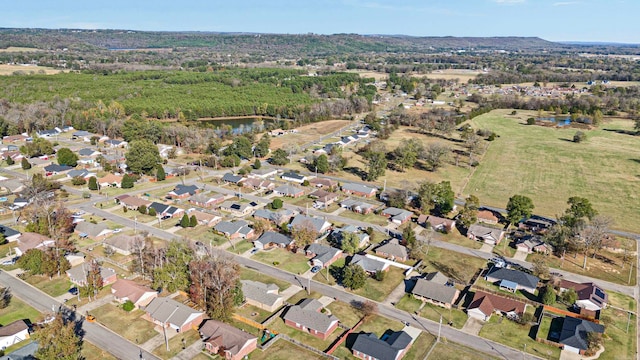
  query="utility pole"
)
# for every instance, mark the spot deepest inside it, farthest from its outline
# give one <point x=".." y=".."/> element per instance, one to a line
<point x="164" y="328"/>
<point x="630" y="272"/>
<point x="439" y="328"/>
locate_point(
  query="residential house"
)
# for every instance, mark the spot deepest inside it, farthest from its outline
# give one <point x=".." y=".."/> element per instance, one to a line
<point x="371" y="266"/>
<point x="169" y="313"/>
<point x="82" y="135"/>
<point x="9" y="234"/>
<point x="78" y="275"/>
<point x="12" y="186"/>
<point x="205" y="219"/>
<point x="14" y="139"/>
<point x="263" y="173"/>
<point x="392" y="346"/>
<point x="13" y="333"/>
<point x="271" y="239"/>
<point x="484" y="305"/>
<point x="359" y="190"/>
<point x="393" y="250"/>
<point x="75" y="258"/>
<point x="29" y="240"/>
<point x="323" y="198"/>
<point x="226" y="341"/>
<point x="323" y="183"/>
<point x="260" y="295"/>
<point x="338" y="234"/>
<point x="92" y="231"/>
<point x="238" y="209"/>
<point x="358" y="206"/>
<point x="307" y="316"/>
<point x="123" y="244"/>
<point x="436" y="290"/>
<point x="206" y="200"/>
<point x="48" y="133"/>
<point x="487" y="217"/>
<point x="489" y="235"/>
<point x="537" y="224"/>
<point x="574" y="334"/>
<point x="318" y="225"/>
<point x="127" y="290"/>
<point x="512" y="280"/>
<point x="258" y="184"/>
<point x="397" y="216"/>
<point x="590" y="296"/>
<point x="533" y="243"/>
<point x="89" y="153"/>
<point x="437" y="223"/>
<point x="113" y="143"/>
<point x="288" y="190"/>
<point x="229" y="178"/>
<point x="131" y="202"/>
<point x="110" y="180"/>
<point x="20" y="202"/>
<point x="55" y="169"/>
<point x="164" y="210"/>
<point x="276" y="217"/>
<point x="322" y="255"/>
<point x="293" y="177"/>
<point x="81" y="173"/>
<point x="183" y="191"/>
<point x="234" y="230"/>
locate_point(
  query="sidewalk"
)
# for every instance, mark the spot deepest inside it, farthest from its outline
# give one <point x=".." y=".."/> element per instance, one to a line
<point x="190" y="352"/>
<point x="157" y="340"/>
<point x="95" y="304"/>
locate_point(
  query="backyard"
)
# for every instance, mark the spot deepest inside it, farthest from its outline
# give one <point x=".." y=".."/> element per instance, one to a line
<point x="454" y="265"/>
<point x="248" y="274"/>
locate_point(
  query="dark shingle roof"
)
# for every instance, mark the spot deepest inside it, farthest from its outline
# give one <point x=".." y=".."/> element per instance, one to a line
<point x="273" y="237"/>
<point x="388" y="349"/>
<point x="574" y="332"/>
<point x="516" y="276"/>
<point x="308" y="314"/>
<point x="432" y="290"/>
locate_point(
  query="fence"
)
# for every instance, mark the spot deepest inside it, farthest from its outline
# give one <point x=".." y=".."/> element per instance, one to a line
<point x="569" y="313"/>
<point x="310" y="348"/>
<point x="343" y="337"/>
<point x="506" y="295"/>
<point x="249" y="322"/>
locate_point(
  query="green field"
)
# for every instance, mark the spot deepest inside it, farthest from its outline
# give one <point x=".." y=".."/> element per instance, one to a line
<point x="545" y="165"/>
<point x="17" y="310"/>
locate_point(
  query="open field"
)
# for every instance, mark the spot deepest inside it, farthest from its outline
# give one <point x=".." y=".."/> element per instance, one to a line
<point x="348" y="315"/>
<point x="19" y="49"/>
<point x="450" y="74"/>
<point x="17" y="310"/>
<point x="286" y="260"/>
<point x="545" y="165"/>
<point x="308" y="133"/>
<point x="129" y="325"/>
<point x="6" y="69"/>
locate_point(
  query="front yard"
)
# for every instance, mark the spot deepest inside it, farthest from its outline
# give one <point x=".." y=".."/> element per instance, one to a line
<point x="284" y="259"/>
<point x="456" y="238"/>
<point x="370" y="218"/>
<point x="176" y="344"/>
<point x="248" y="274"/>
<point x="17" y="310"/>
<point x="510" y="333"/>
<point x="379" y="290"/>
<point x="453" y="351"/>
<point x="303" y="336"/>
<point x="54" y="287"/>
<point x="454" y="265"/>
<point x="347" y="314"/>
<point x="128" y="324"/>
<point x="410" y="304"/>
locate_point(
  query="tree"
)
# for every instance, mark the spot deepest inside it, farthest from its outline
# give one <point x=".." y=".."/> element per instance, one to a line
<point x="540" y="268"/>
<point x="5" y="297"/>
<point x="173" y="272"/>
<point x="469" y="213"/>
<point x="241" y="147"/>
<point x="579" y="209"/>
<point x="78" y="181"/>
<point x="184" y="222"/>
<point x="406" y="155"/>
<point x="437" y="197"/>
<point x="127" y="181"/>
<point x="304" y="234"/>
<point x="31" y="261"/>
<point x="276" y="204"/>
<point x="142" y="157"/>
<point x="262" y="147"/>
<point x="257" y="164"/>
<point x="67" y="157"/>
<point x="569" y="296"/>
<point x="579" y="137"/>
<point x="216" y="284"/>
<point x="10" y="161"/>
<point x="58" y="340"/>
<point x="279" y="157"/>
<point x="367" y="307"/>
<point x="54" y="263"/>
<point x="435" y="155"/>
<point x="160" y="174"/>
<point x="26" y="165"/>
<point x="193" y="221"/>
<point x="376" y="165"/>
<point x="353" y="277"/>
<point x="93" y="183"/>
<point x="548" y="295"/>
<point x="519" y="207"/>
<point x="232" y="160"/>
<point x="152" y="211"/>
<point x="321" y="163"/>
<point x="94" y="281"/>
<point x="128" y="306"/>
<point x="409" y="236"/>
<point x="350" y="242"/>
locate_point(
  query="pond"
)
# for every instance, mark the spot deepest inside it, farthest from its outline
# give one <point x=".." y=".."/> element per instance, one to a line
<point x="565" y="121"/>
<point x="238" y="125"/>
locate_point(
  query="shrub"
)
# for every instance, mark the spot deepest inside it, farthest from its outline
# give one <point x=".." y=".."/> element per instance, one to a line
<point x="579" y="137"/>
<point x="514" y="112"/>
<point x="26" y="165"/>
<point x="93" y="183"/>
<point x="152" y="212"/>
<point x="143" y="209"/>
<point x="491" y="137"/>
<point x="531" y="121"/>
<point x="380" y="275"/>
<point x="276" y="204"/>
<point x="78" y="181"/>
<point x="276" y="263"/>
<point x="10" y="161"/>
<point x="128" y="306"/>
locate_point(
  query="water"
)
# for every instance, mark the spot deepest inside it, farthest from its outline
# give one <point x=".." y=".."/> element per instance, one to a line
<point x="558" y="121"/>
<point x="238" y="126"/>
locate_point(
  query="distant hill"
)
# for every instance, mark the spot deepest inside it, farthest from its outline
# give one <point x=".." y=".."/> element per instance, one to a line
<point x="306" y="44"/>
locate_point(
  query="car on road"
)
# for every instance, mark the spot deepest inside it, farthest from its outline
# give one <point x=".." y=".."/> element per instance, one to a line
<point x="315" y="269"/>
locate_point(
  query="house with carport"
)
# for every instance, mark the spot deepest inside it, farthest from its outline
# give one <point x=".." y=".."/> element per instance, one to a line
<point x="261" y="295"/>
<point x="170" y="314"/>
<point x="226" y="341"/>
<point x="308" y="317"/>
<point x="128" y="290"/>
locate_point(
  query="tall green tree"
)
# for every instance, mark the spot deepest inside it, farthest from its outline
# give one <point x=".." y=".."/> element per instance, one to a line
<point x="376" y="165"/>
<point x="184" y="222"/>
<point x="127" y="182"/>
<point x="67" y="157"/>
<point x="160" y="174"/>
<point x="93" y="183"/>
<point x="409" y="237"/>
<point x="580" y="210"/>
<point x="25" y="164"/>
<point x="406" y="155"/>
<point x="321" y="163"/>
<point x="58" y="340"/>
<point x="193" y="221"/>
<point x="353" y="277"/>
<point x="142" y="157"/>
<point x="173" y="273"/>
<point x="262" y="147"/>
<point x="257" y="164"/>
<point x="279" y="157"/>
<point x="519" y="207"/>
<point x="469" y="213"/>
<point x="241" y="147"/>
<point x="350" y="242"/>
<point x="438" y="198"/>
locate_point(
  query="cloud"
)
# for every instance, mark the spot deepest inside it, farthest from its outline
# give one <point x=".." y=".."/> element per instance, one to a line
<point x="566" y="3"/>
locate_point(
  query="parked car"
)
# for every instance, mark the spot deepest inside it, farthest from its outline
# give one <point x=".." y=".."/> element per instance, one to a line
<point x="254" y="250"/>
<point x="315" y="269"/>
<point x="115" y="231"/>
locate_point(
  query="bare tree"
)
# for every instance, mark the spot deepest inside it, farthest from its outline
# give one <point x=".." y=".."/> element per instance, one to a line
<point x="595" y="235"/>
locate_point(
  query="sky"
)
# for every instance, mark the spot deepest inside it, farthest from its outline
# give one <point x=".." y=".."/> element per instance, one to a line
<point x="554" y="20"/>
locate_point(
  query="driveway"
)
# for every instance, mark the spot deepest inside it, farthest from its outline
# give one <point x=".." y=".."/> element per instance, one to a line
<point x="472" y="326"/>
<point x="486" y="248"/>
<point x="520" y="255"/>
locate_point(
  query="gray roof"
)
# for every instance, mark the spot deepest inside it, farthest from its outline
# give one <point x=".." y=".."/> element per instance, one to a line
<point x="57" y="168"/>
<point x="79" y="273"/>
<point x="203" y="198"/>
<point x="185" y="189"/>
<point x="81" y="133"/>
<point x="158" y="207"/>
<point x="435" y="291"/>
<point x="516" y="276"/>
<point x="275" y="216"/>
<point x="574" y="332"/>
<point x="393" y="247"/>
<point x="86" y="152"/>
<point x="229" y="177"/>
<point x="288" y="190"/>
<point x="481" y="231"/>
<point x="323" y="253"/>
<point x="358" y="188"/>
<point x="354" y="203"/>
<point x="167" y="310"/>
<point x="266" y="294"/>
<point x="397" y="214"/>
<point x="229" y="227"/>
<point x="382" y="349"/>
<point x="122" y="241"/>
<point x="292" y="175"/>
<point x="308" y="314"/>
<point x="91" y="229"/>
<point x="368" y="264"/>
<point x="7" y="231"/>
<point x="269" y="237"/>
<point x="317" y="223"/>
<point x="76" y="173"/>
<point x="437" y="277"/>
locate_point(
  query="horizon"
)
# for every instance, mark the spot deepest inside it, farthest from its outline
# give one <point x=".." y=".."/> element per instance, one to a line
<point x="551" y="20"/>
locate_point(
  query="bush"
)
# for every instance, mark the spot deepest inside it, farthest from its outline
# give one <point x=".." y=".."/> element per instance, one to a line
<point x="93" y="183"/>
<point x="491" y="137"/>
<point x="10" y="161"/>
<point x="276" y="204"/>
<point x="531" y="121"/>
<point x="380" y="275"/>
<point x="514" y="112"/>
<point x="26" y="165"/>
<point x="143" y="209"/>
<point x="579" y="137"/>
<point x="78" y="181"/>
<point x="128" y="306"/>
<point x="152" y="212"/>
<point x="276" y="263"/>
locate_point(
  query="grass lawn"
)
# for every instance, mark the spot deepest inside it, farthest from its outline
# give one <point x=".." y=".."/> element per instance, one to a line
<point x="176" y="344"/>
<point x="92" y="352"/>
<point x="245" y="327"/>
<point x="378" y="324"/>
<point x="17" y="310"/>
<point x="622" y="301"/>
<point x="453" y="264"/>
<point x="504" y="249"/>
<point x="453" y="351"/>
<point x="421" y="346"/>
<point x="379" y="290"/>
<point x="284" y="350"/>
<point x="302" y="294"/>
<point x="85" y="300"/>
<point x="550" y="168"/>
<point x="127" y="324"/>
<point x="293" y="263"/>
<point x="455" y="237"/>
<point x="606" y="266"/>
<point x="241" y="247"/>
<point x="334" y="269"/>
<point x="303" y="336"/>
<point x="409" y="304"/>
<point x="248" y="274"/>
<point x="481" y="282"/>
<point x="54" y="287"/>
<point x="348" y="315"/>
<point x="456" y="317"/>
<point x="618" y="343"/>
<point x="510" y="333"/>
<point x="254" y="313"/>
<point x="369" y="218"/>
<point x="204" y="356"/>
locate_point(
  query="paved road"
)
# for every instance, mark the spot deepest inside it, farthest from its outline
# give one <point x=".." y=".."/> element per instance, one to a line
<point x="94" y="333"/>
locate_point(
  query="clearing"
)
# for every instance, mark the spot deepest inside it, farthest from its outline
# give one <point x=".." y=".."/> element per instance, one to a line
<point x="6" y="69"/>
<point x="309" y="133"/>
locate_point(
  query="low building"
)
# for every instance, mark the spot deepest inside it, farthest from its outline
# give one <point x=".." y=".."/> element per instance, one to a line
<point x="238" y="209"/>
<point x="323" y="198"/>
<point x="93" y="231"/>
<point x="437" y="223"/>
<point x="169" y="313"/>
<point x="29" y="240"/>
<point x="206" y="200"/>
<point x="512" y="280"/>
<point x="574" y="334"/>
<point x="307" y="316"/>
<point x="338" y="234"/>
<point x="258" y="184"/>
<point x="239" y="229"/>
<point x="263" y="173"/>
<point x="359" y="206"/>
<point x="183" y="191"/>
<point x="484" y="305"/>
<point x="323" y="183"/>
<point x="78" y="274"/>
<point x="276" y="217"/>
<point x="322" y="255"/>
<point x="229" y="178"/>
<point x="110" y="180"/>
<point x="369" y="265"/>
<point x="260" y="295"/>
<point x="488" y="235"/>
<point x="318" y="225"/>
<point x="394" y="345"/>
<point x="397" y="216"/>
<point x="127" y="290"/>
<point x="393" y="250"/>
<point x="132" y="202"/>
<point x="226" y="341"/>
<point x="487" y="217"/>
<point x="55" y="169"/>
<point x="288" y="191"/>
<point x="270" y="239"/>
<point x="205" y="219"/>
<point x="533" y="243"/>
<point x="293" y="177"/>
<point x="436" y="289"/>
<point x="164" y="210"/>
<point x="590" y="296"/>
<point x="9" y="234"/>
<point x="359" y="190"/>
<point x="13" y="333"/>
<point x="123" y="244"/>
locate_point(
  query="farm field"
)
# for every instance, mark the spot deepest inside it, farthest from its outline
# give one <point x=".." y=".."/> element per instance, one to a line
<point x="545" y="165"/>
<point x="307" y="133"/>
<point x="6" y="69"/>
